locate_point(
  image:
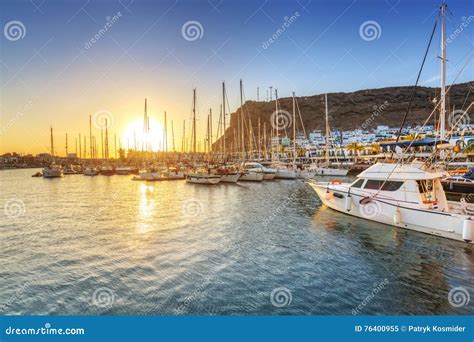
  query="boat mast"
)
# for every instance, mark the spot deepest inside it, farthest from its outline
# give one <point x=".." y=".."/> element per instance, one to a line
<point x="294" y="133"/>
<point x="166" y="136"/>
<point x="242" y="131"/>
<point x="194" y="121"/>
<point x="90" y="134"/>
<point x="106" y="141"/>
<point x="276" y="133"/>
<point x="223" y="116"/>
<point x="265" y="139"/>
<point x="259" y="139"/>
<point x="210" y="129"/>
<point x="183" y="140"/>
<point x="172" y="135"/>
<point x="327" y="130"/>
<point x="66" y="144"/>
<point x="442" y="116"/>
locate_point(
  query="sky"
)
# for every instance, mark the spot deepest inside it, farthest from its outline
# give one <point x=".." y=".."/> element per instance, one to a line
<point x="61" y="61"/>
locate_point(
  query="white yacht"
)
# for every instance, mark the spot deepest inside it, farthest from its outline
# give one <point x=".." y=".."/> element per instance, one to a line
<point x="251" y="174"/>
<point x="228" y="175"/>
<point x="202" y="178"/>
<point x="284" y="172"/>
<point x="268" y="173"/>
<point x="53" y="171"/>
<point x="91" y="171"/>
<point x="409" y="196"/>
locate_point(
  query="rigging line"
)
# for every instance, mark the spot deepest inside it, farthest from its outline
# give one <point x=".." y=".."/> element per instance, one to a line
<point x="417" y="80"/>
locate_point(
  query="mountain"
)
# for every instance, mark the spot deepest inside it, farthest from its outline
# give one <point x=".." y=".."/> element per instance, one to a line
<point x="360" y="109"/>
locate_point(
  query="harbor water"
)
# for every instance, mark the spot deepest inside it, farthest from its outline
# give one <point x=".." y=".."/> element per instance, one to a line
<point x="109" y="245"/>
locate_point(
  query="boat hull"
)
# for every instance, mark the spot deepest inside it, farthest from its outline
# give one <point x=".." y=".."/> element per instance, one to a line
<point x="285" y="174"/>
<point x="269" y="175"/>
<point x="384" y="211"/>
<point x="230" y="178"/>
<point x="325" y="171"/>
<point x="251" y="177"/>
<point x="200" y="179"/>
<point x="52" y="174"/>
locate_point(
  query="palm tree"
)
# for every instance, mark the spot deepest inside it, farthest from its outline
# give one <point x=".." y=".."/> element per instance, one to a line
<point x="354" y="148"/>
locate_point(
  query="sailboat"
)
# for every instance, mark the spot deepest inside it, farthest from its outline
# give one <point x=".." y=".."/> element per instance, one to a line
<point x="327" y="170"/>
<point x="90" y="170"/>
<point x="283" y="171"/>
<point x="405" y="195"/>
<point x="52" y="171"/>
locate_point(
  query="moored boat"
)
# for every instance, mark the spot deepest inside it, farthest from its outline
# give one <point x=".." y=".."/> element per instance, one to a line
<point x="90" y="171"/>
<point x="408" y="196"/>
<point x="52" y="171"/>
<point x="202" y="178"/>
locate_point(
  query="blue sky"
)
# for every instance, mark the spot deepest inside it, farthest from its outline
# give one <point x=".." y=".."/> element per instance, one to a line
<point x="144" y="54"/>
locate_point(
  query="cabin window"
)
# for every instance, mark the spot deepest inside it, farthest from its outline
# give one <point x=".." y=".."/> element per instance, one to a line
<point x="358" y="183"/>
<point x="373" y="184"/>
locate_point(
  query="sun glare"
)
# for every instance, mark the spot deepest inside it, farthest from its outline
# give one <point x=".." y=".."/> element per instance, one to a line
<point x="135" y="137"/>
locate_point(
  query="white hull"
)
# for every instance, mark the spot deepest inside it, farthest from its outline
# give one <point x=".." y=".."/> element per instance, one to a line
<point x="269" y="175"/>
<point x="203" y="179"/>
<point x="52" y="173"/>
<point x="230" y="178"/>
<point x="387" y="211"/>
<point x="326" y="171"/>
<point x="285" y="174"/>
<point x="252" y="177"/>
<point x="91" y="172"/>
<point x="305" y="174"/>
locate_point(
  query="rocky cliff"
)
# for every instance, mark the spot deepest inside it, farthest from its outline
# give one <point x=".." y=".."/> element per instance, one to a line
<point x="361" y="109"/>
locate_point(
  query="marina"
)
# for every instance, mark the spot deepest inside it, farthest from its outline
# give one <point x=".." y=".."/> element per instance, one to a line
<point x="178" y="248"/>
<point x="173" y="165"/>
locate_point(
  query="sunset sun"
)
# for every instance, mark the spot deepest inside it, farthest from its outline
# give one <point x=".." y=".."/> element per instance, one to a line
<point x="134" y="135"/>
